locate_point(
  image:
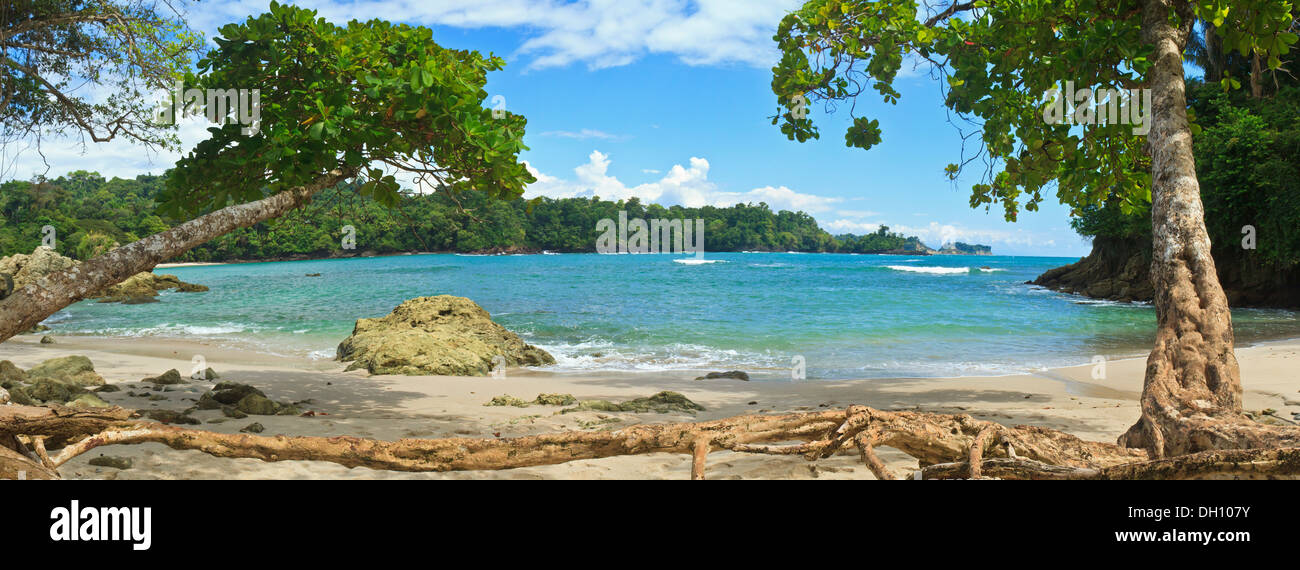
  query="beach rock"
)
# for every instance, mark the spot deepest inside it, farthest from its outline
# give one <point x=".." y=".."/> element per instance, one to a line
<point x="253" y="428"/>
<point x="230" y="393"/>
<point x="737" y="374"/>
<point x="107" y="388"/>
<point x="18" y="395"/>
<point x="47" y="339"/>
<point x="555" y="400"/>
<point x="507" y="400"/>
<point x="112" y="461"/>
<point x="50" y="391"/>
<point x="441" y="335"/>
<point x="88" y="400"/>
<point x="661" y="403"/>
<point x="257" y="405"/>
<point x="231" y="412"/>
<point x="4" y="396"/>
<point x="11" y="373"/>
<point x="75" y="370"/>
<point x="143" y="287"/>
<point x="168" y="378"/>
<point x="28" y="269"/>
<point x="210" y="374"/>
<point x="139" y="288"/>
<point x="171" y="417"/>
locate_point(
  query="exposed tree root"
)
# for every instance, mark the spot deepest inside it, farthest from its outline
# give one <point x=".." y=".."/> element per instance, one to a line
<point x="947" y="446"/>
<point x="1221" y="464"/>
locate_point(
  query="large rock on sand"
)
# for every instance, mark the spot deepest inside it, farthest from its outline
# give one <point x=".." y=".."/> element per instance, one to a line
<point x="70" y="370"/>
<point x="141" y="287"/>
<point x="442" y="335"/>
<point x="27" y="269"/>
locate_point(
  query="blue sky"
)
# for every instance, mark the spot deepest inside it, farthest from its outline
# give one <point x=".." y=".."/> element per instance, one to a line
<point x="669" y="100"/>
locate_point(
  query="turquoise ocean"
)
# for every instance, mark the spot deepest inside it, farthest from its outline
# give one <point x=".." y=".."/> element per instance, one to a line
<point x="844" y="316"/>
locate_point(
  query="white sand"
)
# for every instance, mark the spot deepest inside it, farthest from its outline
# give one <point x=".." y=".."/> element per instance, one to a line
<point x="390" y="407"/>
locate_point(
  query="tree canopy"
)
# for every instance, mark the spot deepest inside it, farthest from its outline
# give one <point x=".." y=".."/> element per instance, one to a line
<point x="370" y="98"/>
<point x="997" y="60"/>
<point x="88" y="67"/>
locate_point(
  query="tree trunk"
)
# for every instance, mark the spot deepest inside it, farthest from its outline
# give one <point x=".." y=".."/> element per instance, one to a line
<point x="1191" y="398"/>
<point x="34" y="303"/>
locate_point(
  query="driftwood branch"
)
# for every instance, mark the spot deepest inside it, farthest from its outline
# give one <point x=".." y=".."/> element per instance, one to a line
<point x="946" y="445"/>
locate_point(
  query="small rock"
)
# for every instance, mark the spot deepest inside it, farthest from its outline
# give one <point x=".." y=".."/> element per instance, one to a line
<point x="231" y="412"/>
<point x="313" y="275"/>
<point x="88" y="400"/>
<point x="257" y="405"/>
<point x="47" y="339"/>
<point x="507" y="400"/>
<point x="253" y="428"/>
<point x="168" y="378"/>
<point x="737" y="374"/>
<point x="107" y="388"/>
<point x="112" y="461"/>
<point x="555" y="400"/>
<point x="171" y="417"/>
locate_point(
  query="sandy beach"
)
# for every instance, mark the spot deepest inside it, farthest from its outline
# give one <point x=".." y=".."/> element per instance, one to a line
<point x="390" y="407"/>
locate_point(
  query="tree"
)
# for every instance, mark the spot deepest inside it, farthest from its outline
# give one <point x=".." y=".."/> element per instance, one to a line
<point x="998" y="59"/>
<point x="51" y="50"/>
<point x="364" y="101"/>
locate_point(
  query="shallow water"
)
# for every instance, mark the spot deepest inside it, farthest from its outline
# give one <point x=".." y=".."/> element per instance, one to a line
<point x="845" y="316"/>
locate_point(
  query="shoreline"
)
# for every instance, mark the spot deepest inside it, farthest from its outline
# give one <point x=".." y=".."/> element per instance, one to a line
<point x="497" y="252"/>
<point x="394" y="407"/>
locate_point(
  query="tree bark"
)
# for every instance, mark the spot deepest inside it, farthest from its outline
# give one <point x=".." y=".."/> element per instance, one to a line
<point x="34" y="303"/>
<point x="1191" y="397"/>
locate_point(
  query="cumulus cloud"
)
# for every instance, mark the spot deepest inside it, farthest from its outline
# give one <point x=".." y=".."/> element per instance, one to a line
<point x="594" y="33"/>
<point x="686" y="185"/>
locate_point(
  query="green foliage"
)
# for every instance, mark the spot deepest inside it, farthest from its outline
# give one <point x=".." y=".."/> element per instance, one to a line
<point x="999" y="59"/>
<point x="90" y="213"/>
<point x="58" y="59"/>
<point x="1248" y="164"/>
<point x="352" y="98"/>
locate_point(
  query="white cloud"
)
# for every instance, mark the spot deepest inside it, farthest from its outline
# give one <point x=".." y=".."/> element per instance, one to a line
<point x="595" y="33"/>
<point x="583" y="134"/>
<point x="683" y="185"/>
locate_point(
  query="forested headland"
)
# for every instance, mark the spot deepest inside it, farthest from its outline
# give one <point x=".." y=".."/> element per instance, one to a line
<point x="91" y="214"/>
<point x="1248" y="163"/>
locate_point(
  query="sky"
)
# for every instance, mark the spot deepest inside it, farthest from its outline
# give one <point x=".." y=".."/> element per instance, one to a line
<point x="669" y="101"/>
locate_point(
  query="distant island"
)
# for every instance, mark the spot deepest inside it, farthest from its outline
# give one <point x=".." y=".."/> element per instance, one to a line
<point x="91" y="214"/>
<point x="960" y="248"/>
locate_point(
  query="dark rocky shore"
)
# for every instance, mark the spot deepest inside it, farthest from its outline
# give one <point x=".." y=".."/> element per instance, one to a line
<point x="1119" y="270"/>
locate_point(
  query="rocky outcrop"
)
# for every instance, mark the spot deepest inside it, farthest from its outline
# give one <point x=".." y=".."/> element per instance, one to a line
<point x="442" y="335"/>
<point x="143" y="287"/>
<point x="1115" y="270"/>
<point x="1118" y="270"/>
<point x="55" y="381"/>
<point x="24" y="270"/>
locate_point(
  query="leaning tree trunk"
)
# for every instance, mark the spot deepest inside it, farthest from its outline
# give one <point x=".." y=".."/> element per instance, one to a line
<point x="1191" y="398"/>
<point x="34" y="303"/>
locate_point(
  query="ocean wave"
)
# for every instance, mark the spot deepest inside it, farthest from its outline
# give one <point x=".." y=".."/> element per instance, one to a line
<point x="938" y="270"/>
<point x="602" y="355"/>
<point x="933" y="270"/>
<point x="698" y="261"/>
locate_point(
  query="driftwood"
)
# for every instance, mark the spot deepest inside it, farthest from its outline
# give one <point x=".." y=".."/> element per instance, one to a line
<point x="946" y="445"/>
